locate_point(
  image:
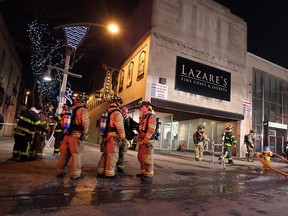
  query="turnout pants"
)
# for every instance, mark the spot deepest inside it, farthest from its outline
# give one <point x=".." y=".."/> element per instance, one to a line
<point x="198" y="149"/>
<point x="250" y="152"/>
<point x="21" y="146"/>
<point x="109" y="157"/>
<point x="145" y="158"/>
<point x="73" y="148"/>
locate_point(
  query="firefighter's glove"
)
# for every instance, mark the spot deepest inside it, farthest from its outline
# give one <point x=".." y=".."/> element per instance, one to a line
<point x="84" y="137"/>
<point x="124" y="145"/>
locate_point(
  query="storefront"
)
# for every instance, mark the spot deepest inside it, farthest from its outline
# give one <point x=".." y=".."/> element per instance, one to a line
<point x="193" y="65"/>
<point x="270" y="113"/>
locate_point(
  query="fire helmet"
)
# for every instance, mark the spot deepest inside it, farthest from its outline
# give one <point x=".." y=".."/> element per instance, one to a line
<point x="149" y="105"/>
<point x="116" y="102"/>
<point x="200" y="127"/>
<point x="229" y="128"/>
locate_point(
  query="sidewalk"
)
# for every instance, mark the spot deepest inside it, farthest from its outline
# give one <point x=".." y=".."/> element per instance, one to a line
<point x="6" y="147"/>
<point x="275" y="162"/>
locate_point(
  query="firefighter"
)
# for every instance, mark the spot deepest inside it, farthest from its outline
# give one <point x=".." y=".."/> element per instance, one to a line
<point x="250" y="145"/>
<point x="114" y="138"/>
<point x="285" y="152"/>
<point x="38" y="143"/>
<point x="129" y="125"/>
<point x="58" y="132"/>
<point x="51" y="121"/>
<point x="229" y="140"/>
<point x="72" y="145"/>
<point x="28" y="121"/>
<point x="147" y="128"/>
<point x="199" y="138"/>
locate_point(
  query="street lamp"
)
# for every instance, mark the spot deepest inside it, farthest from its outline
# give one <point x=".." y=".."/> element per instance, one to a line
<point x="113" y="28"/>
<point x="47" y="76"/>
<point x="75" y="34"/>
<point x="26" y="97"/>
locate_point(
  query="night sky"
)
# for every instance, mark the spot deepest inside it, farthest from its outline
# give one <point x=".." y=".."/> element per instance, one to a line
<point x="267" y="27"/>
<point x="266" y="21"/>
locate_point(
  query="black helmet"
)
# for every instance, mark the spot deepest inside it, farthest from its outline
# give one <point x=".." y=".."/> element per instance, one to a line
<point x="38" y="106"/>
<point x="146" y="103"/>
<point x="65" y="106"/>
<point x="252" y="131"/>
<point x="116" y="101"/>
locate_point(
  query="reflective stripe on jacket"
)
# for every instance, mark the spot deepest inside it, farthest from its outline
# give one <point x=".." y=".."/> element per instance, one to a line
<point x="116" y="123"/>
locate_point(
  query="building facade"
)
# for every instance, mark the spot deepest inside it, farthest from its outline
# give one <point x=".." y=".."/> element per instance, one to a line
<point x="193" y="65"/>
<point x="10" y="78"/>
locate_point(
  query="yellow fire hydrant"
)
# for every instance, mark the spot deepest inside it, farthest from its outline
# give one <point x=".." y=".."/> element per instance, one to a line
<point x="267" y="154"/>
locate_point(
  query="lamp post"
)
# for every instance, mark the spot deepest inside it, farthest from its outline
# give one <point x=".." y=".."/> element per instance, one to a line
<point x="26" y="97"/>
<point x="75" y="34"/>
<point x="65" y="71"/>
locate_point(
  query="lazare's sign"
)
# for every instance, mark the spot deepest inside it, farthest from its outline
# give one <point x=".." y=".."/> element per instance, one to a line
<point x="197" y="78"/>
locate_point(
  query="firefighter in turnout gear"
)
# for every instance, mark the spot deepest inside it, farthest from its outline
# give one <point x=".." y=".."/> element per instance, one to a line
<point x="38" y="143"/>
<point x="199" y="138"/>
<point x="28" y="121"/>
<point x="285" y="151"/>
<point x="72" y="145"/>
<point x="229" y="140"/>
<point x="129" y="125"/>
<point x="250" y="146"/>
<point x="58" y="132"/>
<point x="147" y="128"/>
<point x="112" y="140"/>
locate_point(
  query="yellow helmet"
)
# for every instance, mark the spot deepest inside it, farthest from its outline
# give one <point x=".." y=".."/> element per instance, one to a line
<point x="229" y="128"/>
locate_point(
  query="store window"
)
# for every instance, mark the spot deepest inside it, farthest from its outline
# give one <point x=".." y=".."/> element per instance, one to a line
<point x="270" y="103"/>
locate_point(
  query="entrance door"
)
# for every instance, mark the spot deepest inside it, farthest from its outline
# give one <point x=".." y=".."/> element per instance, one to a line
<point x="279" y="144"/>
<point x="272" y="141"/>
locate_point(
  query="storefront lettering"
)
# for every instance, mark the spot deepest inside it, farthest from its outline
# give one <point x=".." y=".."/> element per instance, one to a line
<point x="198" y="78"/>
<point x="198" y="74"/>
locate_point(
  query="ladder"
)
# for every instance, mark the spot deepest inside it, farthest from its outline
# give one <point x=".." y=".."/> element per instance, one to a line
<point x="215" y="160"/>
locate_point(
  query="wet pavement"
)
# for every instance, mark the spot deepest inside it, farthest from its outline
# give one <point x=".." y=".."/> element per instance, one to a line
<point x="181" y="186"/>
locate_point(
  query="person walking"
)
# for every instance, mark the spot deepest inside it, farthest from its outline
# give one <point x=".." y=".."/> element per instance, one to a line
<point x="250" y="146"/>
<point x="146" y="137"/>
<point x="199" y="137"/>
<point x="28" y="121"/>
<point x="129" y="125"/>
<point x="112" y="141"/>
<point x="72" y="146"/>
<point x="229" y="140"/>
